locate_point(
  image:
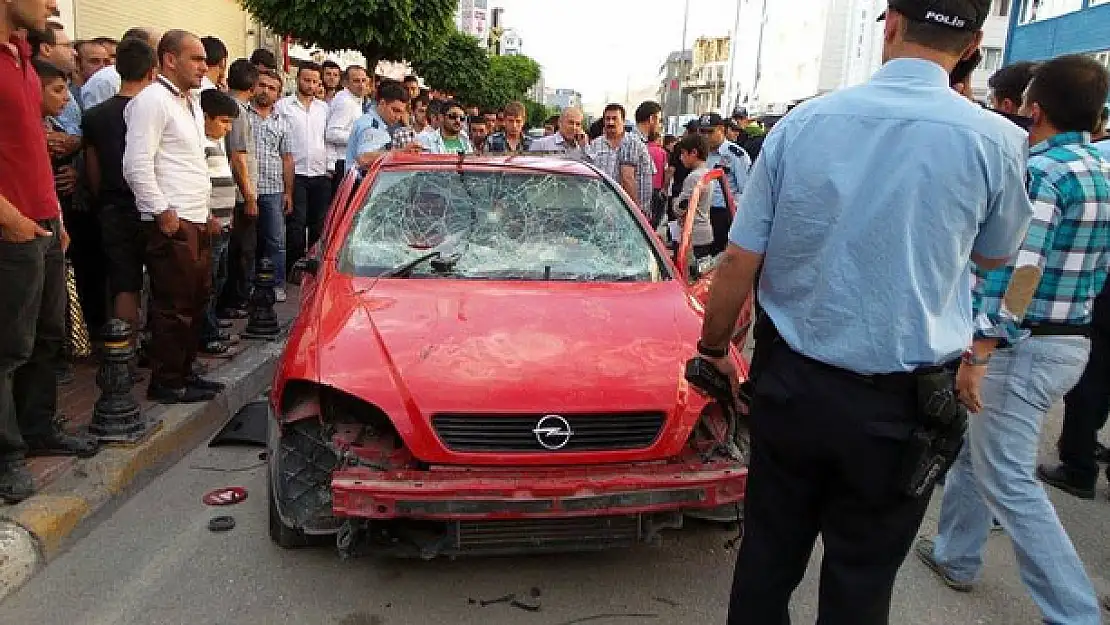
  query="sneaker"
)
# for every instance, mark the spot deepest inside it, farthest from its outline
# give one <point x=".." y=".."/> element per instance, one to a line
<point x="1102" y="454"/>
<point x="16" y="482"/>
<point x="280" y="295"/>
<point x="196" y="381"/>
<point x="925" y="548"/>
<point x="58" y="442"/>
<point x="184" y="395"/>
<point x="1059" y="477"/>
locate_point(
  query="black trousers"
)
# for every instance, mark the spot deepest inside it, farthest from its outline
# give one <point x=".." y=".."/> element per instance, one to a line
<point x="311" y="198"/>
<point x="721" y="221"/>
<point x="90" y="264"/>
<point x="827" y="450"/>
<point x="240" y="260"/>
<point x="32" y="313"/>
<point x="1085" y="410"/>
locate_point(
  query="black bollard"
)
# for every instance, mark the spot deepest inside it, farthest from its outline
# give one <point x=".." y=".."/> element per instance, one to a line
<point x="263" y="322"/>
<point x="117" y="417"/>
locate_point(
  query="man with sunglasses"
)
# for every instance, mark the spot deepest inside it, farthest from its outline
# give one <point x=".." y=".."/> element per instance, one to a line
<point x="732" y="158"/>
<point x="449" y="139"/>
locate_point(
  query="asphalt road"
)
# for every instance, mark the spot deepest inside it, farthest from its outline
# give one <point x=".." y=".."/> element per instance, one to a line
<point x="154" y="561"/>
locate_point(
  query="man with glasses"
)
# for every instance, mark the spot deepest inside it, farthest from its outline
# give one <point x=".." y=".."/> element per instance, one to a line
<point x="449" y="138"/>
<point x="723" y="154"/>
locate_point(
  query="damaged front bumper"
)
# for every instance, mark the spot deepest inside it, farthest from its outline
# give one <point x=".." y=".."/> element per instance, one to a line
<point x="450" y="494"/>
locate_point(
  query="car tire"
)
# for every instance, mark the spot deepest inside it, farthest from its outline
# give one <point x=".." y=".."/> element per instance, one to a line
<point x="283" y="535"/>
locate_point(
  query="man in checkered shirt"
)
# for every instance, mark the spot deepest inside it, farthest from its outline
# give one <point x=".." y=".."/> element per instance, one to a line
<point x="1033" y="321"/>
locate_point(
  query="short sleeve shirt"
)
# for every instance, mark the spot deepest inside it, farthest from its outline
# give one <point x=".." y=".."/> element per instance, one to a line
<point x="241" y="139"/>
<point x="26" y="175"/>
<point x="272" y="140"/>
<point x="105" y="132"/>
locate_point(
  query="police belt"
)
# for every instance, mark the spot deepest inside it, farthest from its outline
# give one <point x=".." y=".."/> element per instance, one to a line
<point x="1049" y="328"/>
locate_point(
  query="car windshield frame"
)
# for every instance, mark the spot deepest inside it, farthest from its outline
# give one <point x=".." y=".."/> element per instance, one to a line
<point x="462" y="201"/>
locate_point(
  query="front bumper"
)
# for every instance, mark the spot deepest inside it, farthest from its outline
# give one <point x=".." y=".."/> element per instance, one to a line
<point x="451" y="494"/>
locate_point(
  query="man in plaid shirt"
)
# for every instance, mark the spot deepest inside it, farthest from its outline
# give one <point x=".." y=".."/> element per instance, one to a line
<point x="1033" y="321"/>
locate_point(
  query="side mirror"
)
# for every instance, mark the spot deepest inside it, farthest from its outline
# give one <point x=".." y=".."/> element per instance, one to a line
<point x="308" y="264"/>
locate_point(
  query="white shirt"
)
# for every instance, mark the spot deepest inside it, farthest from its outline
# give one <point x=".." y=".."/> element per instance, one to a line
<point x="164" y="161"/>
<point x="344" y="109"/>
<point x="310" y="154"/>
<point x="101" y="86"/>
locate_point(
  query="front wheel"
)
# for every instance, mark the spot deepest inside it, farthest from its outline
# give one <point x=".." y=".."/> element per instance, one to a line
<point x="283" y="535"/>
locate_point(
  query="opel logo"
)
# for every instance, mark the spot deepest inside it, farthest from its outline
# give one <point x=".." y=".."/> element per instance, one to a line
<point x="553" y="432"/>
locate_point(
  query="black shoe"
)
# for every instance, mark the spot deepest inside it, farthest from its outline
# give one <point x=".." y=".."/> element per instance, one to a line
<point x="16" y="482"/>
<point x="184" y="395"/>
<point x="58" y="442"/>
<point x="198" y="382"/>
<point x="1102" y="454"/>
<point x="1059" y="477"/>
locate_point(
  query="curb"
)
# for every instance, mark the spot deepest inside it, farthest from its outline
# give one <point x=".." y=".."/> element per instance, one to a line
<point x="33" y="532"/>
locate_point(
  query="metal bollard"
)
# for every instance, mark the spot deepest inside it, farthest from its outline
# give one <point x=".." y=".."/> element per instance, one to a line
<point x="117" y="417"/>
<point x="263" y="322"/>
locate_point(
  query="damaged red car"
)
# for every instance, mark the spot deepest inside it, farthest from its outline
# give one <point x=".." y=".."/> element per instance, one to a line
<point x="489" y="358"/>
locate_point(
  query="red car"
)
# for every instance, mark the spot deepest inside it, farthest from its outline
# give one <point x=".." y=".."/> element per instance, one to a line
<point x="489" y="358"/>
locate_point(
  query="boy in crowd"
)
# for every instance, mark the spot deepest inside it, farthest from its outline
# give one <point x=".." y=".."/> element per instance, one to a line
<point x="220" y="112"/>
<point x="693" y="151"/>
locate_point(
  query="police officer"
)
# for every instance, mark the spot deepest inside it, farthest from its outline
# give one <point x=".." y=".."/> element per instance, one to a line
<point x="866" y="241"/>
<point x="736" y="163"/>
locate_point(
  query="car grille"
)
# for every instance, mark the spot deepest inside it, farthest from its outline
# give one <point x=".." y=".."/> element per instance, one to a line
<point x="514" y="433"/>
<point x="547" y="535"/>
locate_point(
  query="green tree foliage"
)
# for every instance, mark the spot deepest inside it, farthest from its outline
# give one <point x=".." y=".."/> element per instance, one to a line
<point x="538" y="113"/>
<point x="508" y="78"/>
<point x="389" y="30"/>
<point x="456" y="66"/>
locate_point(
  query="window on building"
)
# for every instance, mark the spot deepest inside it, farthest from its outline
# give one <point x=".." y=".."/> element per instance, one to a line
<point x="992" y="60"/>
<point x="1036" y="10"/>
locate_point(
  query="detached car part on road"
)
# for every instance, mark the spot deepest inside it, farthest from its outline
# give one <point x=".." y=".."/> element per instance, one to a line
<point x="489" y="359"/>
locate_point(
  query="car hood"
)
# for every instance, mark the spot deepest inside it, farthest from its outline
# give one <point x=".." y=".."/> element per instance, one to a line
<point x="447" y="345"/>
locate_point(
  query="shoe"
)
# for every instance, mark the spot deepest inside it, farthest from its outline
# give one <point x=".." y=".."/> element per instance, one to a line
<point x="1102" y="454"/>
<point x="925" y="548"/>
<point x="213" y="348"/>
<point x="198" y="382"/>
<point x="184" y="395"/>
<point x="1059" y="477"/>
<point x="58" y="442"/>
<point x="233" y="313"/>
<point x="16" y="482"/>
<point x="280" y="295"/>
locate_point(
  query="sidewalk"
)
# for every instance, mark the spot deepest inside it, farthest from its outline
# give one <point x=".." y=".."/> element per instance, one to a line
<point x="70" y="491"/>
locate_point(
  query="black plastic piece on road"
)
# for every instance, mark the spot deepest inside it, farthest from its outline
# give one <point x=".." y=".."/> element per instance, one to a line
<point x="221" y="524"/>
<point x="247" y="428"/>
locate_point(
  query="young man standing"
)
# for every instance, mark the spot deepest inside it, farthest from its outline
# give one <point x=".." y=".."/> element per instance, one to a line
<point x="242" y="79"/>
<point x="216" y="52"/>
<point x="370" y="136"/>
<point x="343" y="112"/>
<point x="120" y="227"/>
<point x="273" y="144"/>
<point x="220" y="112"/>
<point x="1033" y="320"/>
<point x="308" y="117"/>
<point x="164" y="164"/>
<point x="32" y="245"/>
<point x="512" y="139"/>
<point x="479" y="133"/>
<point x="449" y="138"/>
<point x="331" y="78"/>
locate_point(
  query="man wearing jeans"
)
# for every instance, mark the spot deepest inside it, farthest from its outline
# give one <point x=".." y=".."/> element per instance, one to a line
<point x="273" y="144"/>
<point x="1032" y="325"/>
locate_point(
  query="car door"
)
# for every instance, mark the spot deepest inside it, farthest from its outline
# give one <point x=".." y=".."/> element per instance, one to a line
<point x="698" y="276"/>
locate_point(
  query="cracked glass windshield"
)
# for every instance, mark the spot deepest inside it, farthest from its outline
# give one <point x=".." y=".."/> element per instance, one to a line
<point x="518" y="225"/>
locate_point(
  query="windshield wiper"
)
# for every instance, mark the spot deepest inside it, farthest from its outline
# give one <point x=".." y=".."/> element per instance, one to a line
<point x="440" y="264"/>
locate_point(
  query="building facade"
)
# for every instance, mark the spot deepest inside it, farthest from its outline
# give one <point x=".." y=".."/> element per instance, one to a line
<point x="705" y="83"/>
<point x="1044" y="29"/>
<point x="473" y="18"/>
<point x="672" y="74"/>
<point x="224" y="19"/>
<point x="563" y="99"/>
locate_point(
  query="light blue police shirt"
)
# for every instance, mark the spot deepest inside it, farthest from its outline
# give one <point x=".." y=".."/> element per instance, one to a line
<point x="369" y="134"/>
<point x="1103" y="147"/>
<point x="738" y="163"/>
<point x="868" y="203"/>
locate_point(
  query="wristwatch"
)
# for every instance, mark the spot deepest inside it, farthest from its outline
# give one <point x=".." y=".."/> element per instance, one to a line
<point x="969" y="358"/>
<point x="712" y="352"/>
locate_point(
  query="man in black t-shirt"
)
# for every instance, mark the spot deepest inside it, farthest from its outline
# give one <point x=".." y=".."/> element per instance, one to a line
<point x="678" y="171"/>
<point x="105" y="133"/>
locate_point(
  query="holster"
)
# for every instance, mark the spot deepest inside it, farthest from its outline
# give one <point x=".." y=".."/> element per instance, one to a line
<point x="939" y="435"/>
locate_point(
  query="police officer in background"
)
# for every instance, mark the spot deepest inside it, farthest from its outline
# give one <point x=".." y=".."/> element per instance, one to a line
<point x="736" y="163"/>
<point x="866" y="239"/>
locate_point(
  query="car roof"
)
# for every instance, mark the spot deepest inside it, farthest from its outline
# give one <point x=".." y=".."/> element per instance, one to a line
<point x="553" y="164"/>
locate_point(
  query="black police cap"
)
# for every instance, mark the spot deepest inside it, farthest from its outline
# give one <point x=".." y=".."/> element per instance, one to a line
<point x="958" y="14"/>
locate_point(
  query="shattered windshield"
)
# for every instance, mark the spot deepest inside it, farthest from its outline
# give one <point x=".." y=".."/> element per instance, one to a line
<point x="504" y="225"/>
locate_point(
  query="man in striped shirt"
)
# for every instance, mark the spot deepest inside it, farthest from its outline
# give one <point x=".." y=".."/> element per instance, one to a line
<point x="220" y="112"/>
<point x="1033" y="321"/>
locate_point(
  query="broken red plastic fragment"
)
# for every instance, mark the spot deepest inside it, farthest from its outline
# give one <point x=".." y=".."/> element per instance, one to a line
<point x="225" y="496"/>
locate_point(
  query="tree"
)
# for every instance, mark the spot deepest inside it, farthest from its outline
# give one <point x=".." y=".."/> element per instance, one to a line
<point x="538" y="113"/>
<point x="382" y="30"/>
<point x="508" y="78"/>
<point x="456" y="66"/>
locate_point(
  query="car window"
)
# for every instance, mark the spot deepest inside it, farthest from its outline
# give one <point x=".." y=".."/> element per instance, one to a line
<point x="505" y="225"/>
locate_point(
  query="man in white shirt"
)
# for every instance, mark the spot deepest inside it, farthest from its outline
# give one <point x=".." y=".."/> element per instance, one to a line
<point x="106" y="83"/>
<point x="344" y="110"/>
<point x="216" y="77"/>
<point x="165" y="166"/>
<point x="308" y="117"/>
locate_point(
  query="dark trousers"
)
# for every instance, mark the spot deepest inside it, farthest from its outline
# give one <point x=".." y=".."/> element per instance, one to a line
<point x="90" y="265"/>
<point x="1085" y="410"/>
<point x="337" y="176"/>
<point x="311" y="198"/>
<point x="32" y="315"/>
<point x="240" y="259"/>
<point x="210" y="329"/>
<point x="721" y="221"/>
<point x="827" y="450"/>
<point x="180" y="281"/>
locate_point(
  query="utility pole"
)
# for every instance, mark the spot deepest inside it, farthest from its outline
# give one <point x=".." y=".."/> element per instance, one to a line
<point x="732" y="98"/>
<point x="681" y="62"/>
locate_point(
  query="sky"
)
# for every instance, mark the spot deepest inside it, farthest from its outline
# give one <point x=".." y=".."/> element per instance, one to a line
<point x="603" y="47"/>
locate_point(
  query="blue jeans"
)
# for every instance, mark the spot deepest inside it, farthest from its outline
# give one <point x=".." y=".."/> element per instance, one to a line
<point x="210" y="327"/>
<point x="994" y="475"/>
<point x="271" y="232"/>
